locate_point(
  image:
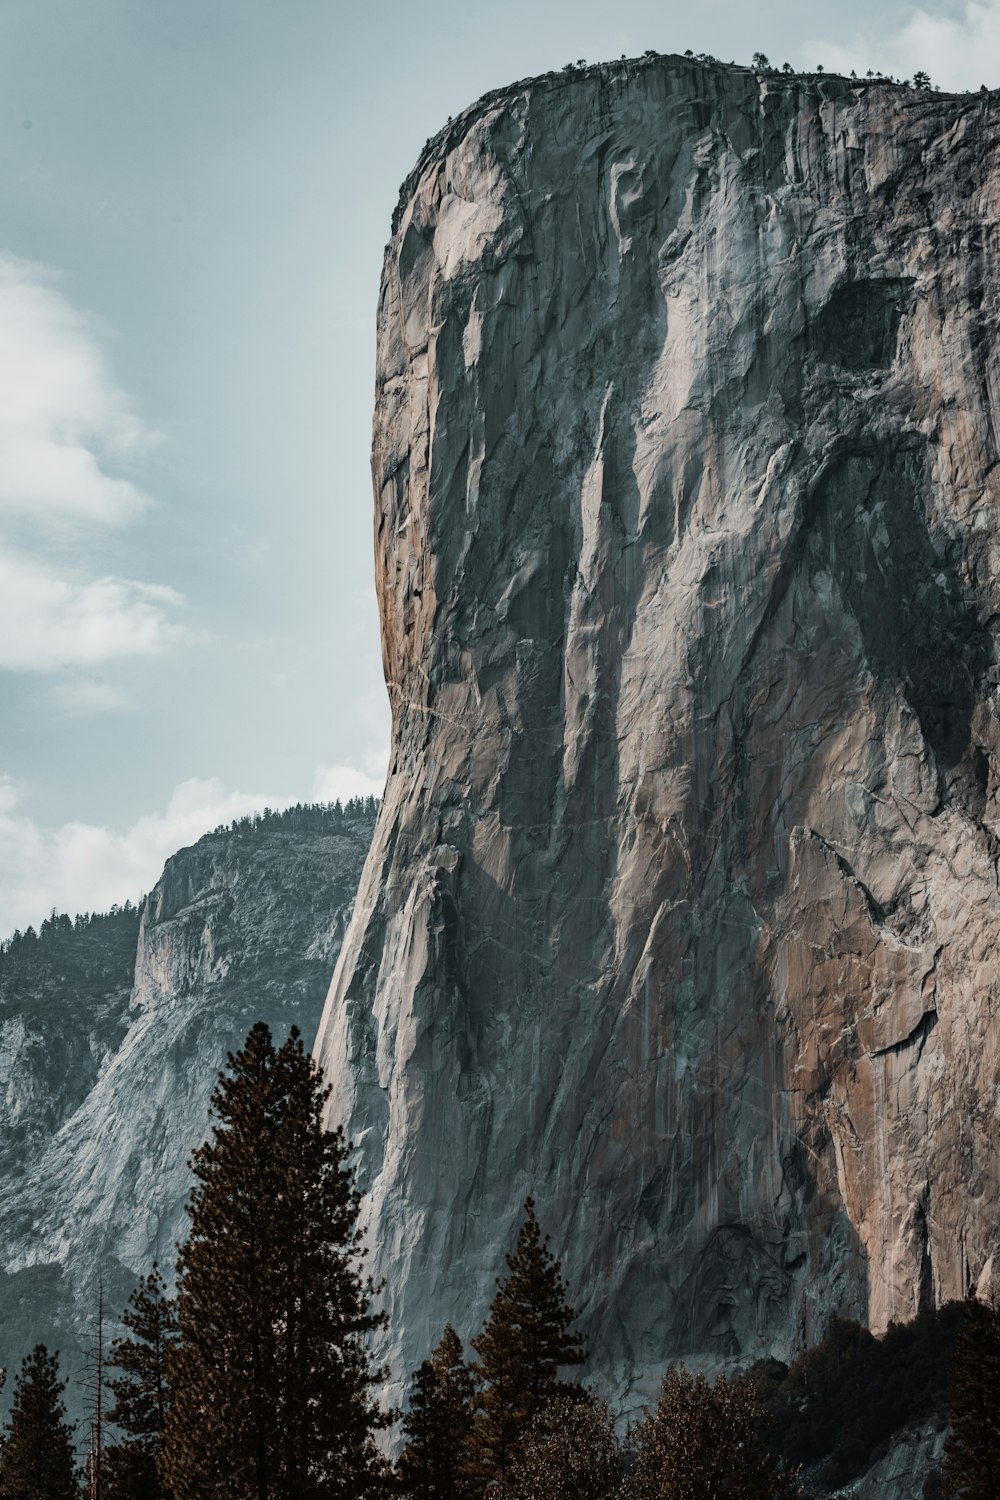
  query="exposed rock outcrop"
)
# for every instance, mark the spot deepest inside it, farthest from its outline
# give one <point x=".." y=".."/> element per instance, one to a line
<point x="681" y="909"/>
<point x="911" y="1463"/>
<point x="115" y="1050"/>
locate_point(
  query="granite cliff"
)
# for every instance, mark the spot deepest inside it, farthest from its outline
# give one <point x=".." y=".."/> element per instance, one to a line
<point x="111" y="1037"/>
<point x="681" y="907"/>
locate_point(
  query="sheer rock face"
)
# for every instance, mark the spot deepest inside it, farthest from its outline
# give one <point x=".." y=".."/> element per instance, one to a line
<point x="682" y="905"/>
<point x="903" y="1470"/>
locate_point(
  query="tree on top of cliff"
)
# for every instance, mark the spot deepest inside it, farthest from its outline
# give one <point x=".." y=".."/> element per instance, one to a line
<point x="36" y="1459"/>
<point x="435" y="1459"/>
<point x="141" y="1392"/>
<point x="706" y="1439"/>
<point x="972" y="1452"/>
<point x="526" y="1340"/>
<point x="272" y="1388"/>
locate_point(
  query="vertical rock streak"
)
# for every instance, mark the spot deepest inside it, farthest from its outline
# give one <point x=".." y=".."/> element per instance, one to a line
<point x="681" y="908"/>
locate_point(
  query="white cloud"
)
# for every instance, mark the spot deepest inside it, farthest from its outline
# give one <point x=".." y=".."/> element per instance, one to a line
<point x="50" y="619"/>
<point x="959" y="51"/>
<point x="87" y="867"/>
<point x="333" y="783"/>
<point x="63" y="421"/>
<point x="61" y="415"/>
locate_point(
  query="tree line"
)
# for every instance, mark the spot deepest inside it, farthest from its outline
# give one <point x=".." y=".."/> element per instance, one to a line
<point x="59" y="931"/>
<point x="305" y="817"/>
<point x="255" y="1380"/>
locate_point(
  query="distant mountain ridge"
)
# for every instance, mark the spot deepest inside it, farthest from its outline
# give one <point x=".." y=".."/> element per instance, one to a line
<point x="113" y="1028"/>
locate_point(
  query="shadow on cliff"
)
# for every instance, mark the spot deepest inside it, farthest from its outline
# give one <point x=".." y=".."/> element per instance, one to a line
<point x="902" y="588"/>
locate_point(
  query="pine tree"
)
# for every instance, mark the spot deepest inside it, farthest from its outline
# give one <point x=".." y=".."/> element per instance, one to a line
<point x="526" y="1340"/>
<point x="434" y="1463"/>
<point x="219" y="1434"/>
<point x="706" y="1442"/>
<point x="36" y="1458"/>
<point x="271" y="1385"/>
<point x="129" y="1473"/>
<point x="326" y="1410"/>
<point x="141" y="1394"/>
<point x="972" y="1452"/>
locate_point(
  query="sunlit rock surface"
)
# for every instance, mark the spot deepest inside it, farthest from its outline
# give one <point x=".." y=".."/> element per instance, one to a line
<point x="108" y="1055"/>
<point x="681" y="911"/>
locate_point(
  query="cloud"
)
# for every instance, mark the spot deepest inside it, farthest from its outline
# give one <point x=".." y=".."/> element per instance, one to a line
<point x="87" y="867"/>
<point x="51" y="620"/>
<point x="341" y="783"/>
<point x="64" y="424"/>
<point x="959" y="51"/>
<point x="62" y="418"/>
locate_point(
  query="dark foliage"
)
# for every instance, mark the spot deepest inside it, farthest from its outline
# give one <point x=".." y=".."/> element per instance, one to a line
<point x="526" y="1340"/>
<point x="434" y="1463"/>
<point x="840" y="1403"/>
<point x="972" y="1454"/>
<point x="36" y="1458"/>
<point x="570" y="1452"/>
<point x="96" y="948"/>
<point x="141" y="1393"/>
<point x="271" y="1387"/>
<point x="129" y="1472"/>
<point x="306" y="817"/>
<point x="707" y="1440"/>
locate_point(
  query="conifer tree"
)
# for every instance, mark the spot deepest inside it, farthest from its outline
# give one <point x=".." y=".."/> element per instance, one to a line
<point x="141" y="1394"/>
<point x="434" y="1463"/>
<point x="219" y="1433"/>
<point x="36" y="1457"/>
<point x="526" y="1340"/>
<point x="706" y="1442"/>
<point x="326" y="1410"/>
<point x="972" y="1452"/>
<point x="271" y="1385"/>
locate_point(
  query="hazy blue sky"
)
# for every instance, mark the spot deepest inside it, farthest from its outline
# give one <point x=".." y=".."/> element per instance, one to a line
<point x="195" y="198"/>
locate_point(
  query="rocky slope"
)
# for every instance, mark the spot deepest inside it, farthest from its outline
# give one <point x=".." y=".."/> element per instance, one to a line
<point x="681" y="907"/>
<point x="110" y="1051"/>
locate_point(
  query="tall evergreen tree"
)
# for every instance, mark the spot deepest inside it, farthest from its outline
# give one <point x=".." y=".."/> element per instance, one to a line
<point x="526" y="1340"/>
<point x="326" y="1409"/>
<point x="219" y="1433"/>
<point x="434" y="1463"/>
<point x="141" y="1394"/>
<point x="972" y="1452"/>
<point x="36" y="1456"/>
<point x="272" y="1388"/>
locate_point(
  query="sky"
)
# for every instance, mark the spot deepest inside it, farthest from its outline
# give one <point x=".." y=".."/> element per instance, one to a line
<point x="194" y="201"/>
